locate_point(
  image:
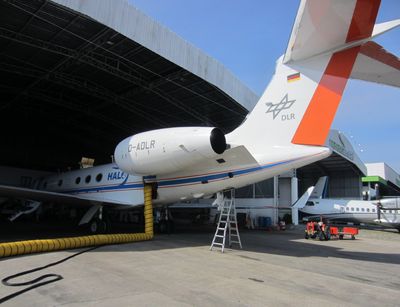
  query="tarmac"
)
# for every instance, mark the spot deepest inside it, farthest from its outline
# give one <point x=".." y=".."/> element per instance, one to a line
<point x="274" y="268"/>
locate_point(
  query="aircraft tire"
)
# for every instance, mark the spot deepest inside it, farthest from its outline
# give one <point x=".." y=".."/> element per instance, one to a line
<point x="102" y="227"/>
<point x="94" y="226"/>
<point x="162" y="226"/>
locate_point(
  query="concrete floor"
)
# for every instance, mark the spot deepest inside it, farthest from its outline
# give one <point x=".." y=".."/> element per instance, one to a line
<point x="274" y="268"/>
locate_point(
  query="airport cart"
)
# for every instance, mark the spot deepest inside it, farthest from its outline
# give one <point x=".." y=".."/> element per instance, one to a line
<point x="317" y="230"/>
<point x="341" y="231"/>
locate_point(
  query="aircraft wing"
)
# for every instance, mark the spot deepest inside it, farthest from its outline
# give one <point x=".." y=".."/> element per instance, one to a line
<point x="39" y="195"/>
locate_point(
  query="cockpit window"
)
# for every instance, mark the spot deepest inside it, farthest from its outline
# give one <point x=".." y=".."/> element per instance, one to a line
<point x="309" y="203"/>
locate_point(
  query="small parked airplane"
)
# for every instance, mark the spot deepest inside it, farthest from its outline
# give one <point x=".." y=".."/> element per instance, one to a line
<point x="331" y="41"/>
<point x="385" y="212"/>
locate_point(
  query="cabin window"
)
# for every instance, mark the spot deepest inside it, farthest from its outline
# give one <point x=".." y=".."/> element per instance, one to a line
<point x="60" y="182"/>
<point x="87" y="179"/>
<point x="352" y="209"/>
<point x="373" y="210"/>
<point x="357" y="209"/>
<point x="99" y="177"/>
<point x="367" y="209"/>
<point x="78" y="180"/>
<point x="362" y="209"/>
<point x="347" y="208"/>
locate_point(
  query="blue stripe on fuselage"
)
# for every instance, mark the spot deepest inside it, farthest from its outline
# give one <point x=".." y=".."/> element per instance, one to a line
<point x="219" y="176"/>
<point x="107" y="188"/>
<point x="181" y="181"/>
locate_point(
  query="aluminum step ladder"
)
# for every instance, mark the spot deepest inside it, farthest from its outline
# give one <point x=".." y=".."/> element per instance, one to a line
<point x="227" y="224"/>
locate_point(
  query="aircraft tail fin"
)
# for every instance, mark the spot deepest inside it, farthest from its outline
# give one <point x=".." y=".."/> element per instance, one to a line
<point x="320" y="188"/>
<point x="329" y="44"/>
<point x="301" y="202"/>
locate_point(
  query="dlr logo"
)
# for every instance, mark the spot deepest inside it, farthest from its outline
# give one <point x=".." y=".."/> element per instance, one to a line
<point x="288" y="116"/>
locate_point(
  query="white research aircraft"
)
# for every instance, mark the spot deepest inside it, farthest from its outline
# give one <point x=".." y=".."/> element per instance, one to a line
<point x="331" y="41"/>
<point x="385" y="212"/>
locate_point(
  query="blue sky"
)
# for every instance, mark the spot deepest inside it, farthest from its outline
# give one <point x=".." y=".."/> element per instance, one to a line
<point x="248" y="36"/>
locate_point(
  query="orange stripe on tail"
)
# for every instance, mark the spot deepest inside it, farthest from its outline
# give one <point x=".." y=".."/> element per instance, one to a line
<point x="363" y="20"/>
<point x="315" y="124"/>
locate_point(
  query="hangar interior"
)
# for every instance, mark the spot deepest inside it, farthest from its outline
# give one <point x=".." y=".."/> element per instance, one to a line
<point x="75" y="80"/>
<point x="75" y="87"/>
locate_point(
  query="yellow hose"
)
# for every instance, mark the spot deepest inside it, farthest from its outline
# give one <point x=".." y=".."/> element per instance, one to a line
<point x="38" y="246"/>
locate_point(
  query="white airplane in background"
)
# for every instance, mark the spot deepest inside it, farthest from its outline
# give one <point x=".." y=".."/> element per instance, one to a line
<point x="385" y="212"/>
<point x="331" y="41"/>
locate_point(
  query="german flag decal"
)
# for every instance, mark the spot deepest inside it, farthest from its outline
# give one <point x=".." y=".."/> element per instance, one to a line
<point x="294" y="77"/>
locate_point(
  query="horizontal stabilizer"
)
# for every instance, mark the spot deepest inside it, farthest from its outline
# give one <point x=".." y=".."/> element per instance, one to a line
<point x="328" y="25"/>
<point x="375" y="64"/>
<point x="383" y="27"/>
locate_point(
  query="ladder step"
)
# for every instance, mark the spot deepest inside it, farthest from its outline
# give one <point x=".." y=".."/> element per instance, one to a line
<point x="227" y="218"/>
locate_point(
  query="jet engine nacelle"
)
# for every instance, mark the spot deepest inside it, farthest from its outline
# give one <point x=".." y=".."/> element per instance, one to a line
<point x="168" y="150"/>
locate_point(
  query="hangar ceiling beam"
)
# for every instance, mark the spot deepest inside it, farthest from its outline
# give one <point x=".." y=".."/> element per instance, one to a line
<point x="26" y="23"/>
<point x="84" y="86"/>
<point x="323" y="169"/>
<point x="87" y="43"/>
<point x="64" y="102"/>
<point x="107" y="64"/>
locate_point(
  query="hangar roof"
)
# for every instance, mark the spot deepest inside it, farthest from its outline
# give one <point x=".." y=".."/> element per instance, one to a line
<point x="79" y="76"/>
<point x="343" y="159"/>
